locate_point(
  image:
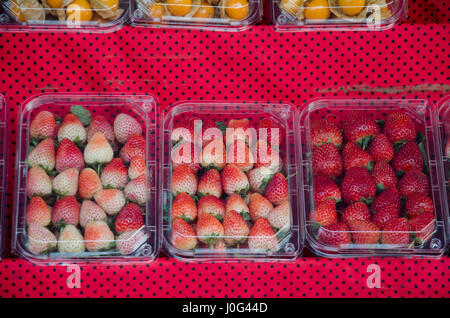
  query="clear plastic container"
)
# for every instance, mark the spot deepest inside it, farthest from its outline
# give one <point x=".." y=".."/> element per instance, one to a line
<point x="107" y="199"/>
<point x="63" y="15"/>
<point x="339" y="240"/>
<point x="197" y="245"/>
<point x="218" y="15"/>
<point x="337" y="15"/>
<point x="4" y="172"/>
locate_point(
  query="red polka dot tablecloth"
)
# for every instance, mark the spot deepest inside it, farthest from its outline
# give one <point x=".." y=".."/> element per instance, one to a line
<point x="409" y="61"/>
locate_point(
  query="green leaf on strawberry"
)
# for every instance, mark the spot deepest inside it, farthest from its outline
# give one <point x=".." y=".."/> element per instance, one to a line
<point x="82" y="113"/>
<point x="222" y="126"/>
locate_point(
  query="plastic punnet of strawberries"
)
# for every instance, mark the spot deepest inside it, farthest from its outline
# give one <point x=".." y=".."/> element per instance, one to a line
<point x="371" y="184"/>
<point x="86" y="184"/>
<point x="229" y="189"/>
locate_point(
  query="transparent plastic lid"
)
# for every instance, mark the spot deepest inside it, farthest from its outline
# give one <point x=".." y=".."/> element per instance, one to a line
<point x="229" y="182"/>
<point x="86" y="179"/>
<point x="372" y="178"/>
<point x="3" y="172"/>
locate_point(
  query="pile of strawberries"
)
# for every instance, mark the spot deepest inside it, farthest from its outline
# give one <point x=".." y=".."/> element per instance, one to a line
<point x="235" y="194"/>
<point x="86" y="183"/>
<point x="375" y="174"/>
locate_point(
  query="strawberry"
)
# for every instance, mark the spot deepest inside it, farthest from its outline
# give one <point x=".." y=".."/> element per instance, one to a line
<point x="220" y="246"/>
<point x="447" y="149"/>
<point x="336" y="234"/>
<point x="210" y="184"/>
<point x="129" y="218"/>
<point x="326" y="160"/>
<point x="137" y="167"/>
<point x="384" y="176"/>
<point x="88" y="183"/>
<point x="98" y="236"/>
<point x="66" y="183"/>
<point x="40" y="239"/>
<point x="356" y="211"/>
<point x="325" y="213"/>
<point x="273" y="132"/>
<point x="183" y="235"/>
<point x="399" y="128"/>
<point x="209" y="229"/>
<point x="267" y="156"/>
<point x="326" y="188"/>
<point x="98" y="150"/>
<point x="89" y="212"/>
<point x="239" y="153"/>
<point x="136" y="190"/>
<point x="72" y="129"/>
<point x="258" y="179"/>
<point x="38" y="212"/>
<point x="413" y="181"/>
<point x="277" y="189"/>
<point x="187" y="154"/>
<point x="408" y="158"/>
<point x="66" y="211"/>
<point x="381" y="148"/>
<point x="128" y="242"/>
<point x="126" y="126"/>
<point x="43" y="125"/>
<point x="418" y="203"/>
<point x="214" y="154"/>
<point x="110" y="200"/>
<point x="68" y="155"/>
<point x="262" y="236"/>
<point x="70" y="240"/>
<point x="235" y="228"/>
<point x="238" y="129"/>
<point x="212" y="205"/>
<point x="210" y="131"/>
<point x="353" y="156"/>
<point x="234" y="180"/>
<point x="359" y="128"/>
<point x="43" y="155"/>
<point x="358" y="185"/>
<point x="100" y="124"/>
<point x="364" y="232"/>
<point x="396" y="232"/>
<point x="135" y="146"/>
<point x="114" y="175"/>
<point x="236" y="203"/>
<point x="38" y="182"/>
<point x="325" y="131"/>
<point x="184" y="207"/>
<point x="184" y="129"/>
<point x="280" y="216"/>
<point x="259" y="206"/>
<point x="386" y="206"/>
<point x="422" y="226"/>
<point x="184" y="180"/>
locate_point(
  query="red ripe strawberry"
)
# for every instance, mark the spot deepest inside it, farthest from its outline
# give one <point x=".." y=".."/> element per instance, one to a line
<point x="136" y="190"/>
<point x="259" y="206"/>
<point x="98" y="236"/>
<point x="359" y="128"/>
<point x="38" y="182"/>
<point x="381" y="148"/>
<point x="408" y="158"/>
<point x="212" y="205"/>
<point x="234" y="180"/>
<point x="70" y="240"/>
<point x="186" y="154"/>
<point x="129" y="218"/>
<point x="210" y="184"/>
<point x="325" y="131"/>
<point x="418" y="203"/>
<point x="396" y="232"/>
<point x="356" y="211"/>
<point x="43" y="155"/>
<point x="66" y="211"/>
<point x="236" y="203"/>
<point x="326" y="188"/>
<point x="240" y="155"/>
<point x="43" y="125"/>
<point x="126" y="126"/>
<point x="184" y="129"/>
<point x="413" y="181"/>
<point x="262" y="236"/>
<point x="88" y="183"/>
<point x="325" y="213"/>
<point x="277" y="189"/>
<point x="268" y="157"/>
<point x="209" y="229"/>
<point x="258" y="179"/>
<point x="66" y="183"/>
<point x="235" y="228"/>
<point x="68" y="155"/>
<point x="135" y="146"/>
<point x="336" y="234"/>
<point x="100" y="124"/>
<point x="98" y="150"/>
<point x="128" y="242"/>
<point x="40" y="239"/>
<point x="110" y="200"/>
<point x="386" y="207"/>
<point x="358" y="185"/>
<point x="399" y="127"/>
<point x="38" y="212"/>
<point x="137" y="167"/>
<point x="384" y="176"/>
<point x="89" y="212"/>
<point x="184" y="207"/>
<point x="364" y="232"/>
<point x="280" y="216"/>
<point x="214" y="154"/>
<point x="114" y="175"/>
<point x="422" y="226"/>
<point x="184" y="180"/>
<point x="326" y="160"/>
<point x="353" y="156"/>
<point x="183" y="235"/>
<point x="72" y="129"/>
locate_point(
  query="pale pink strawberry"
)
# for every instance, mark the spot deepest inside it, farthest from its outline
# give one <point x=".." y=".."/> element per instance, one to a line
<point x="70" y="240"/>
<point x="267" y="157"/>
<point x="40" y="239"/>
<point x="137" y="167"/>
<point x="210" y="184"/>
<point x="88" y="183"/>
<point x="114" y="175"/>
<point x="72" y="129"/>
<point x="184" y="180"/>
<point x="38" y="212"/>
<point x="236" y="230"/>
<point x="100" y="124"/>
<point x="234" y="180"/>
<point x="135" y="146"/>
<point x="68" y="155"/>
<point x="126" y="126"/>
<point x="183" y="206"/>
<point x="136" y="190"/>
<point x="183" y="236"/>
<point x="236" y="203"/>
<point x="280" y="216"/>
<point x="43" y="155"/>
<point x="110" y="200"/>
<point x="212" y="205"/>
<point x="214" y="155"/>
<point x="262" y="236"/>
<point x="258" y="179"/>
<point x="89" y="212"/>
<point x="209" y="229"/>
<point x="66" y="211"/>
<point x="259" y="206"/>
<point x="187" y="154"/>
<point x="66" y="183"/>
<point x="98" y="236"/>
<point x="43" y="125"/>
<point x="98" y="150"/>
<point x="128" y="242"/>
<point x="240" y="155"/>
<point x="38" y="182"/>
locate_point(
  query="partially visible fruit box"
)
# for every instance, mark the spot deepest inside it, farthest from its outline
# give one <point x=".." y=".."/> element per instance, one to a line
<point x="372" y="176"/>
<point x="230" y="182"/>
<point x="3" y="171"/>
<point x="86" y="179"/>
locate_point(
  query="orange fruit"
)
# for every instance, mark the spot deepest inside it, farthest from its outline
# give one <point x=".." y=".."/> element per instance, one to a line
<point x="205" y="11"/>
<point x="352" y="7"/>
<point x="157" y="10"/>
<point x="179" y="7"/>
<point x="78" y="11"/>
<point x="237" y="9"/>
<point x="317" y="10"/>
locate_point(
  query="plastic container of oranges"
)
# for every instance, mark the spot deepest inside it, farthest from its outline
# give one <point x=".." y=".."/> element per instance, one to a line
<point x="63" y="15"/>
<point x="372" y="178"/>
<point x="3" y="171"/>
<point x="229" y="183"/>
<point x="87" y="179"/>
<point x="339" y="15"/>
<point x="220" y="15"/>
